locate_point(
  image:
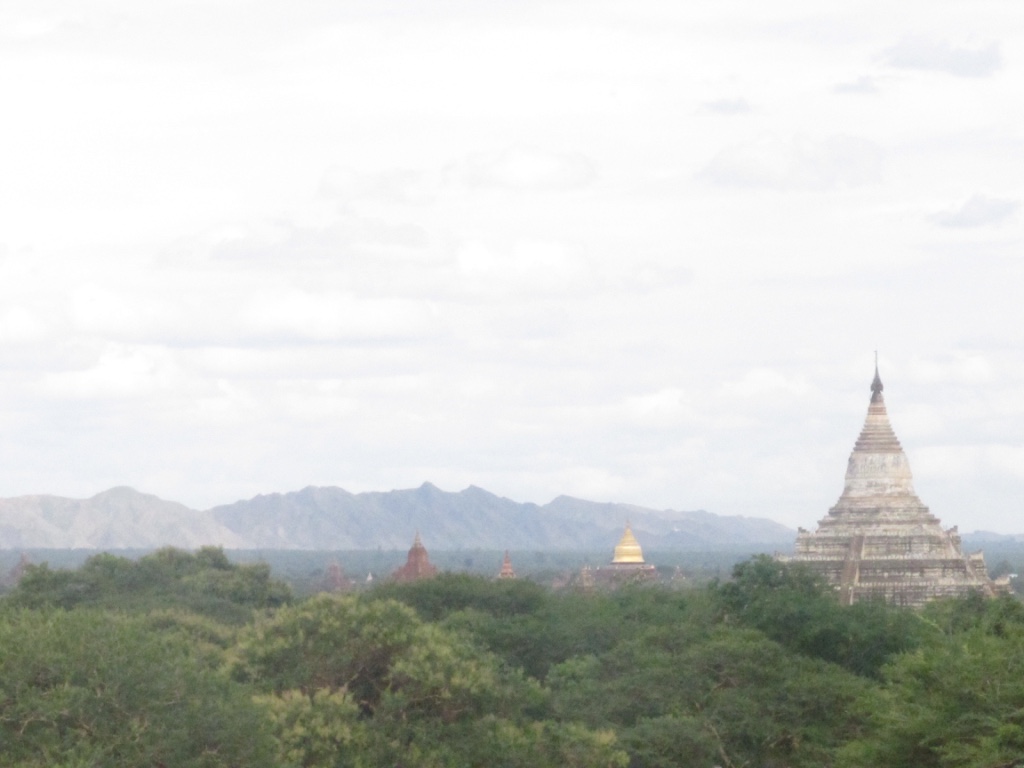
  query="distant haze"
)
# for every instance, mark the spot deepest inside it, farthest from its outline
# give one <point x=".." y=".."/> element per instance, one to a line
<point x="631" y="252"/>
<point x="334" y="519"/>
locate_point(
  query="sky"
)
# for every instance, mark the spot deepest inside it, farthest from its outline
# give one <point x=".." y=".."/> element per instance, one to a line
<point x="639" y="252"/>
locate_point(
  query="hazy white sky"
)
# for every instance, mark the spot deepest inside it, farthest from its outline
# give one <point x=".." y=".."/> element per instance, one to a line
<point x="636" y="252"/>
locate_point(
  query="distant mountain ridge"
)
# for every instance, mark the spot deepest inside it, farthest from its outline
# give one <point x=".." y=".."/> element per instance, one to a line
<point x="333" y="518"/>
<point x="120" y="518"/>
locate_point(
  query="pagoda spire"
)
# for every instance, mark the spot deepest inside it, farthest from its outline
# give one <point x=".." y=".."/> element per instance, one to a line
<point x="877" y="435"/>
<point x="878" y="466"/>
<point x="876" y="384"/>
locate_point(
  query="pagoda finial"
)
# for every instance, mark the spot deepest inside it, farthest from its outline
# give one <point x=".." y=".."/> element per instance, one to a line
<point x="876" y="384"/>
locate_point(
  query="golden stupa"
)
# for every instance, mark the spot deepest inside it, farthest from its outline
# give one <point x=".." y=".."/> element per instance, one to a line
<point x="628" y="550"/>
<point x="627" y="566"/>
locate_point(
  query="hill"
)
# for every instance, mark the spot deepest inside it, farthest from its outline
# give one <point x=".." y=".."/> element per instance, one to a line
<point x="121" y="518"/>
<point x="333" y="518"/>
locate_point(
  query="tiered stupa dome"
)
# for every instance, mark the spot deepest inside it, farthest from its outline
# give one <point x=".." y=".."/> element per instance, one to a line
<point x="879" y="540"/>
<point x="628" y="549"/>
<point x="627" y="565"/>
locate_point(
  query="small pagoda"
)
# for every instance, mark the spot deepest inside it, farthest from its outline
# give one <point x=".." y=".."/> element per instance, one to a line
<point x="417" y="565"/>
<point x="14" y="575"/>
<point x="879" y="541"/>
<point x="335" y="580"/>
<point x="506" y="571"/>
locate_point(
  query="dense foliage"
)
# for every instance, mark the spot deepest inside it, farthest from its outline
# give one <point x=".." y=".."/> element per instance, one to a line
<point x="185" y="659"/>
<point x="88" y="688"/>
<point x="205" y="582"/>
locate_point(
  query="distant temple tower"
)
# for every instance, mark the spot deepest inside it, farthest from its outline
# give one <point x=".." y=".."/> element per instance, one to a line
<point x="628" y="551"/>
<point x="335" y="579"/>
<point x="15" y="574"/>
<point x="417" y="565"/>
<point x="627" y="564"/>
<point x="506" y="568"/>
<point x="879" y="540"/>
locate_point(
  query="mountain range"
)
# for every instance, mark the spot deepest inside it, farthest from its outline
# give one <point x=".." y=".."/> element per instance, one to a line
<point x="328" y="518"/>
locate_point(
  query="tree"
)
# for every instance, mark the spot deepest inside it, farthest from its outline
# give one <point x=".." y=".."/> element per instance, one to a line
<point x="368" y="683"/>
<point x="727" y="696"/>
<point x="957" y="700"/>
<point x="798" y="609"/>
<point x="447" y="593"/>
<point x="204" y="582"/>
<point x="85" y="688"/>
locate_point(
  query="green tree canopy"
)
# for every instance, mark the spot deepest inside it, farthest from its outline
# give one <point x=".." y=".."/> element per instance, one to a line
<point x="88" y="688"/>
<point x="204" y="582"/>
<point x="798" y="609"/>
<point x="367" y="682"/>
<point x="957" y="701"/>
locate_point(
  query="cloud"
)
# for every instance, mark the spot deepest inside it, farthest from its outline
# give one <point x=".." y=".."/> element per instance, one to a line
<point x="22" y="325"/>
<point x="285" y="245"/>
<point x="970" y="462"/>
<point x="977" y="211"/>
<point x="119" y="372"/>
<point x="518" y="168"/>
<point x="970" y="369"/>
<point x="529" y="266"/>
<point x="766" y="381"/>
<point x="526" y="168"/>
<point x="838" y="161"/>
<point x="862" y="85"/>
<point x="728" y="106"/>
<point x="294" y="315"/>
<point x="664" y="408"/>
<point x="919" y="53"/>
<point x="396" y="185"/>
<point x="28" y="29"/>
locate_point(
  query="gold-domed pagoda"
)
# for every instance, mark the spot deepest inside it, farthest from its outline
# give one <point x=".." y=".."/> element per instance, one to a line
<point x="628" y="550"/>
<point x="628" y="564"/>
<point x="880" y="540"/>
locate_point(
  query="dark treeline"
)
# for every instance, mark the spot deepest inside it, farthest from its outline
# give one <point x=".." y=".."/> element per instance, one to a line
<point x="188" y="659"/>
<point x="305" y="570"/>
